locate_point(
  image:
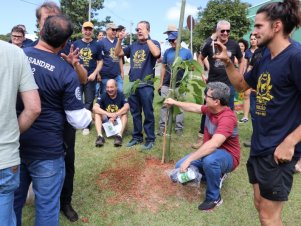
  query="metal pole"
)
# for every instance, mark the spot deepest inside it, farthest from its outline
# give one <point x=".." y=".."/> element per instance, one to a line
<point x="89" y="10"/>
<point x="191" y="35"/>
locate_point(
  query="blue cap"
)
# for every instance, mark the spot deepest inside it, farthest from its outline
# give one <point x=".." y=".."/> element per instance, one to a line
<point x="172" y="35"/>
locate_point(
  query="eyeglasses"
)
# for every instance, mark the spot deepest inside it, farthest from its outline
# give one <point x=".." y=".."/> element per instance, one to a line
<point x="171" y="40"/>
<point x="207" y="96"/>
<point x="17" y="36"/>
<point x="223" y="31"/>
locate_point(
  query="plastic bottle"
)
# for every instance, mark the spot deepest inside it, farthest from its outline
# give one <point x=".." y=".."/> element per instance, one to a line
<point x="187" y="176"/>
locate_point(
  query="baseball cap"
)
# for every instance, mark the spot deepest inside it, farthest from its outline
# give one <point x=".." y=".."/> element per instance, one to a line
<point x="111" y="25"/>
<point x="120" y="27"/>
<point x="88" y="24"/>
<point x="172" y="35"/>
<point x="171" y="28"/>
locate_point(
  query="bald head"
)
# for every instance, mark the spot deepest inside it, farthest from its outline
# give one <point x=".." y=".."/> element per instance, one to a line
<point x="112" y="82"/>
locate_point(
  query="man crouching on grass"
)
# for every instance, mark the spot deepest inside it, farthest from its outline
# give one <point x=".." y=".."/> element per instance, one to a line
<point x="220" y="152"/>
<point x="109" y="106"/>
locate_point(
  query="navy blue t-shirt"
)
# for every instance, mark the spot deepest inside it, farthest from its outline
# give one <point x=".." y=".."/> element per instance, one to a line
<point x="111" y="67"/>
<point x="277" y="83"/>
<point x="89" y="54"/>
<point x="111" y="105"/>
<point x="217" y="72"/>
<point x="59" y="91"/>
<point x="168" y="59"/>
<point x="142" y="61"/>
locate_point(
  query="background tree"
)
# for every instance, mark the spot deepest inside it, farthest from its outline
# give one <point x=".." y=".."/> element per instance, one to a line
<point x="233" y="11"/>
<point x="78" y="12"/>
<point x="5" y="37"/>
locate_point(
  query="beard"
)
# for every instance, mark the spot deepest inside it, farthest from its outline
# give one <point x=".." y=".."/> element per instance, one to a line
<point x="264" y="42"/>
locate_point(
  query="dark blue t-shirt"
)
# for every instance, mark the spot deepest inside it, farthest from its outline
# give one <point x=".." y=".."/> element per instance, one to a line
<point x="89" y="54"/>
<point x="277" y="83"/>
<point x="142" y="61"/>
<point x="59" y="91"/>
<point x="111" y="67"/>
<point x="168" y="59"/>
<point x="111" y="105"/>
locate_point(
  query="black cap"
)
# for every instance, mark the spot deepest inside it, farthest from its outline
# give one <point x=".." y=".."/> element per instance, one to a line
<point x="120" y="27"/>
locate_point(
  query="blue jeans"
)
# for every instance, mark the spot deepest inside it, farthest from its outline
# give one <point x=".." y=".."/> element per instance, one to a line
<point x="142" y="99"/>
<point x="9" y="182"/>
<point x="118" y="80"/>
<point x="212" y="166"/>
<point x="47" y="178"/>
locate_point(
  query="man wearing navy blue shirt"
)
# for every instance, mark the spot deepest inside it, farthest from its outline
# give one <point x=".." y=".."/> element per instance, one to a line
<point x="91" y="58"/>
<point x="42" y="145"/>
<point x="70" y="55"/>
<point x="168" y="59"/>
<point x="144" y="54"/>
<point x="109" y="106"/>
<point x="111" y="68"/>
<point x="276" y="143"/>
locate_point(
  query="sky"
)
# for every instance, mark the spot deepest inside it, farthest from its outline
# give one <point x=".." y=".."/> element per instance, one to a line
<point x="160" y="13"/>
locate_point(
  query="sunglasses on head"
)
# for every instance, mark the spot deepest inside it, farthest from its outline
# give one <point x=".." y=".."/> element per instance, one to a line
<point x="223" y="31"/>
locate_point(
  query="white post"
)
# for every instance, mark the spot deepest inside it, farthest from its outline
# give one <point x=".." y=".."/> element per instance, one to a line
<point x="89" y="10"/>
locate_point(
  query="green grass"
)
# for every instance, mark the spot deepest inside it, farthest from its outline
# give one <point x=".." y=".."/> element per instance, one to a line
<point x="90" y="201"/>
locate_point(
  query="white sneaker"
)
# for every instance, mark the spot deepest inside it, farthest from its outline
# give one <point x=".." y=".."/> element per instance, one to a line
<point x="86" y="132"/>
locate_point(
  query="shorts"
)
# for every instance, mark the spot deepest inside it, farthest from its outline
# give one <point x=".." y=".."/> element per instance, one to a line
<point x="275" y="181"/>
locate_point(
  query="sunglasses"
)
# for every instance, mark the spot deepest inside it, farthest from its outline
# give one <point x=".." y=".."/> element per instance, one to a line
<point x="223" y="31"/>
<point x="17" y="36"/>
<point x="171" y="40"/>
<point x="114" y="29"/>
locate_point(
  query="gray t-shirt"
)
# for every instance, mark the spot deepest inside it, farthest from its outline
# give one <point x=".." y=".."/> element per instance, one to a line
<point x="16" y="76"/>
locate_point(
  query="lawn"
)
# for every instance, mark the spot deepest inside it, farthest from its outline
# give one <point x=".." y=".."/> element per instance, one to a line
<point x="124" y="186"/>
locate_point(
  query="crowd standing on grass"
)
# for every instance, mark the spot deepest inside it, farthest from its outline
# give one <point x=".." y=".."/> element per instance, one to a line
<point x="276" y="90"/>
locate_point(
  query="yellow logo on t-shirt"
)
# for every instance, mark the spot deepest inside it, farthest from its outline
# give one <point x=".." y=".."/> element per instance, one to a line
<point x="86" y="56"/>
<point x="112" y="108"/>
<point x="138" y="58"/>
<point x="263" y="95"/>
<point x="112" y="54"/>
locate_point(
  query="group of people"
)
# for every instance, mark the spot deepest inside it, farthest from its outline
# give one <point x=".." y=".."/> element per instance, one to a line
<point x="50" y="79"/>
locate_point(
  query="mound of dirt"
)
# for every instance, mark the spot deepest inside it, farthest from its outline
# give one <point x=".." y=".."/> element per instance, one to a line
<point x="143" y="182"/>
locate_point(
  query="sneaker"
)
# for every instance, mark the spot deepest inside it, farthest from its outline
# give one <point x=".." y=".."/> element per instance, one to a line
<point x="69" y="212"/>
<point x="243" y="120"/>
<point x="148" y="145"/>
<point x="210" y="205"/>
<point x="118" y="141"/>
<point x="199" y="142"/>
<point x="247" y="144"/>
<point x="179" y="132"/>
<point x="223" y="178"/>
<point x="100" y="140"/>
<point x="160" y="133"/>
<point x="86" y="132"/>
<point x="133" y="142"/>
